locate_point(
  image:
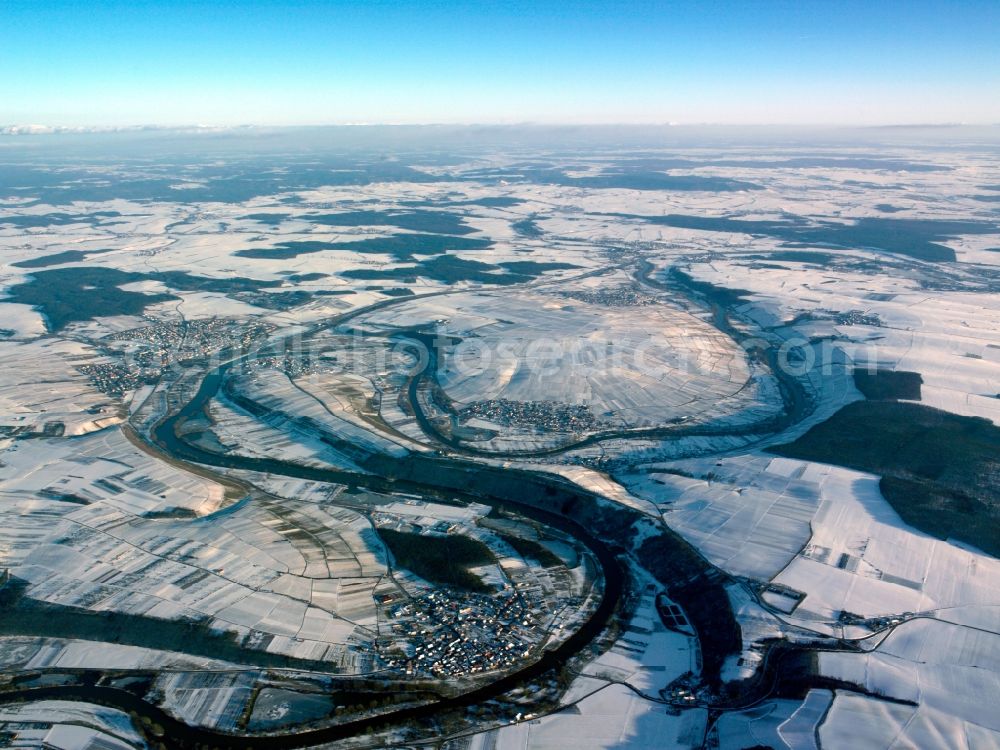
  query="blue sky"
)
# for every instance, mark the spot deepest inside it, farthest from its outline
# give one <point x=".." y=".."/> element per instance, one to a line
<point x="298" y="62"/>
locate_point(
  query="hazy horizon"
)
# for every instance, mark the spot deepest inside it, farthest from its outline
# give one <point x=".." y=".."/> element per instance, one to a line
<point x="115" y="64"/>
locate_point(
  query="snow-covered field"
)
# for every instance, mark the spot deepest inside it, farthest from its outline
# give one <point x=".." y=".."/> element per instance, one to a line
<point x="68" y="725"/>
<point x="615" y="702"/>
<point x="844" y="253"/>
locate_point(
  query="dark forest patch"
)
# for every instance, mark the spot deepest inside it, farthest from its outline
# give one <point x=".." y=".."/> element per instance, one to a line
<point x="444" y="560"/>
<point x="532" y="550"/>
<point x="490" y="201"/>
<point x="301" y="277"/>
<point x="914" y="238"/>
<point x="67" y="295"/>
<point x="940" y="471"/>
<point x="450" y="269"/>
<point x="431" y="222"/>
<point x="527" y="228"/>
<point x="801" y="256"/>
<point x="888" y="385"/>
<point x="401" y="246"/>
<point x="57" y="259"/>
<point x="56" y="219"/>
